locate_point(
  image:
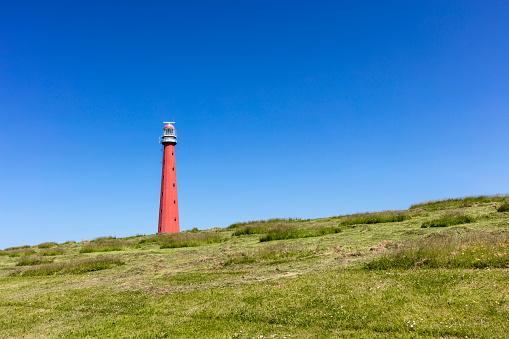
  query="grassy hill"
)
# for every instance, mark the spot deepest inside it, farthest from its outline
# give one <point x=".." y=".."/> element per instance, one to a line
<point x="438" y="269"/>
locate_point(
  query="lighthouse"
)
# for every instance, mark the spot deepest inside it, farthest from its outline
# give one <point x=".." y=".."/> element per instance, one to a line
<point x="168" y="205"/>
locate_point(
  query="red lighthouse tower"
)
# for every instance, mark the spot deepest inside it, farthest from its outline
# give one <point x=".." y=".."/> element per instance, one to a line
<point x="169" y="206"/>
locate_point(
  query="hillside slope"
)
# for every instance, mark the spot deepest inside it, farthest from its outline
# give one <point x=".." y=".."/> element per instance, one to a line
<point x="438" y="269"/>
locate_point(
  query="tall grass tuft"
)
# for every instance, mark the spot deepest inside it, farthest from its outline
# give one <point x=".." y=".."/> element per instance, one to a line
<point x="189" y="239"/>
<point x="258" y="229"/>
<point x="284" y="233"/>
<point x="503" y="208"/>
<point x="78" y="266"/>
<point x="16" y="248"/>
<point x="156" y="238"/>
<point x="474" y="250"/>
<point x="33" y="260"/>
<point x="457" y="202"/>
<point x="256" y="223"/>
<point x="449" y="220"/>
<point x="108" y="245"/>
<point x="374" y="218"/>
<point x="21" y="252"/>
<point x="47" y="245"/>
<point x="52" y="251"/>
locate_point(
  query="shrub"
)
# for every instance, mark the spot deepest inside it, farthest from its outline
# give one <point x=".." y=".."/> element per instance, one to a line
<point x="71" y="267"/>
<point x="457" y="202"/>
<point x="503" y="208"/>
<point x="475" y="250"/>
<point x="449" y="220"/>
<point x="47" y="245"/>
<point x="30" y="261"/>
<point x="52" y="251"/>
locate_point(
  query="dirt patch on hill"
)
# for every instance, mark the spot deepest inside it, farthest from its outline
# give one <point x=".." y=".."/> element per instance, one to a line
<point x="380" y="247"/>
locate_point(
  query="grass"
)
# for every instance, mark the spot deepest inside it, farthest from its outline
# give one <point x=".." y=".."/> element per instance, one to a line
<point x="21" y="252"/>
<point x="16" y="248"/>
<point x="449" y="220"/>
<point x="475" y="250"/>
<point x="52" y="251"/>
<point x="32" y="260"/>
<point x="285" y="233"/>
<point x="78" y="266"/>
<point x="389" y="279"/>
<point x="192" y="239"/>
<point x="273" y="254"/>
<point x="245" y="230"/>
<point x="47" y="245"/>
<point x="107" y="244"/>
<point x="459" y="202"/>
<point x="503" y="208"/>
<point x="258" y="223"/>
<point x="374" y="218"/>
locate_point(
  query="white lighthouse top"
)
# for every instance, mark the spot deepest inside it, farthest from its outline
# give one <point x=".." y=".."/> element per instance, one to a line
<point x="169" y="134"/>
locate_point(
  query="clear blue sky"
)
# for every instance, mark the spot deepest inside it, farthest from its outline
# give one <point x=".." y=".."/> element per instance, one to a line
<point x="283" y="109"/>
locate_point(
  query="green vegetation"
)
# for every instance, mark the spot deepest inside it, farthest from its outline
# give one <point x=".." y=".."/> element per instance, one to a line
<point x="459" y="202"/>
<point x="71" y="267"/>
<point x="271" y="254"/>
<point x="32" y="260"/>
<point x="52" y="251"/>
<point x="251" y="230"/>
<point x="107" y="244"/>
<point x="295" y="233"/>
<point x="47" y="245"/>
<point x="372" y="275"/>
<point x="17" y="248"/>
<point x="503" y="208"/>
<point x="449" y="220"/>
<point x="262" y="223"/>
<point x="21" y="252"/>
<point x="473" y="250"/>
<point x="192" y="239"/>
<point x="374" y="218"/>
